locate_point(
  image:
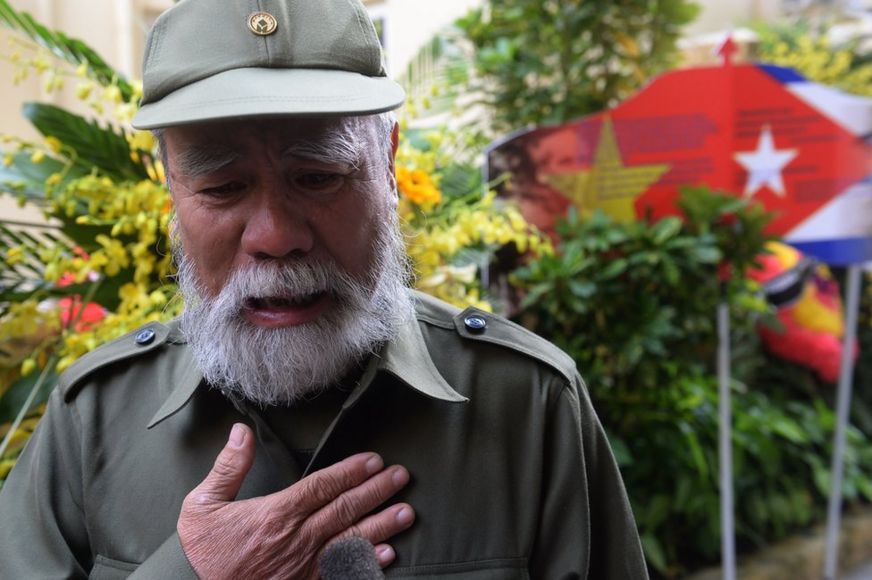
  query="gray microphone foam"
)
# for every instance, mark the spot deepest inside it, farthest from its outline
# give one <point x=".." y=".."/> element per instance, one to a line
<point x="350" y="559"/>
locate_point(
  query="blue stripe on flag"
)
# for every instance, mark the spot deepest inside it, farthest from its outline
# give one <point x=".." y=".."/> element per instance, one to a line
<point x="844" y="252"/>
<point x="782" y="74"/>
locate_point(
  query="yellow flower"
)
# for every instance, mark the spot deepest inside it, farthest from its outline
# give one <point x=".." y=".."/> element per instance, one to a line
<point x="136" y="85"/>
<point x="116" y="255"/>
<point x="37" y="157"/>
<point x="125" y="111"/>
<point x="131" y="293"/>
<point x="5" y="467"/>
<point x="112" y="94"/>
<point x="14" y="255"/>
<point x="40" y="63"/>
<point x="142" y="140"/>
<point x="83" y="90"/>
<point x="417" y="186"/>
<point x="53" y="143"/>
<point x="28" y="366"/>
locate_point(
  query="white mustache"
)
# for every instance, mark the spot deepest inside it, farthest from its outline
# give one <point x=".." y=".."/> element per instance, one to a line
<point x="261" y="281"/>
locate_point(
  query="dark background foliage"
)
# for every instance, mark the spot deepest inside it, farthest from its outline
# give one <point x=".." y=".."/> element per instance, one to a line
<point x="635" y="305"/>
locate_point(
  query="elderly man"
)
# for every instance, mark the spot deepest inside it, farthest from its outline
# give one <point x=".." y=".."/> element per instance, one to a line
<point x="306" y="394"/>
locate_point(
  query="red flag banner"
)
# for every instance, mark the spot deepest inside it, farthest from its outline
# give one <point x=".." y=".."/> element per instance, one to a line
<point x="759" y="131"/>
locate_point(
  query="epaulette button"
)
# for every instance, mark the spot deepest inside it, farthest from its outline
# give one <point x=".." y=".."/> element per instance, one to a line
<point x="475" y="323"/>
<point x="144" y="337"/>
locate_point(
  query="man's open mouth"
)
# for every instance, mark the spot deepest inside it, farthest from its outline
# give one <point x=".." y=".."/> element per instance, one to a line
<point x="282" y="311"/>
<point x="281" y="302"/>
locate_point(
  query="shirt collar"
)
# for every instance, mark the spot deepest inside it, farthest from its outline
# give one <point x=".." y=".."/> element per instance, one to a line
<point x="185" y="377"/>
<point x="407" y="358"/>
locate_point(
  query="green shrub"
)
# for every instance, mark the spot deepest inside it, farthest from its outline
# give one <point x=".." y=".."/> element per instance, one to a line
<point x="547" y="62"/>
<point x="635" y="305"/>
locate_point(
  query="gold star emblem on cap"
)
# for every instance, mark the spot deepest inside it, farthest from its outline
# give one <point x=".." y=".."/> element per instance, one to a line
<point x="262" y="23"/>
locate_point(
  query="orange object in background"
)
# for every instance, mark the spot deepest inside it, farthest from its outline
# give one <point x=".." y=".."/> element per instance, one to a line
<point x="809" y="307"/>
<point x="72" y="311"/>
<point x="84" y="316"/>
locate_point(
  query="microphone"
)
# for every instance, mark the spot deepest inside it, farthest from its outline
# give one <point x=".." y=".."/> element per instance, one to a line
<point x="350" y="559"/>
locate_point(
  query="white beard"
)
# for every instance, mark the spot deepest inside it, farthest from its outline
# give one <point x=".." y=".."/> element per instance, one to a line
<point x="270" y="366"/>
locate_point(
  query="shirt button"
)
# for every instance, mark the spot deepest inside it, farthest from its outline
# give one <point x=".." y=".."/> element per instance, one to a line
<point x="144" y="337"/>
<point x="475" y="323"/>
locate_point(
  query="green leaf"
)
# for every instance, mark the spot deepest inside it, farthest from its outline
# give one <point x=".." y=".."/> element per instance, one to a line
<point x="622" y="453"/>
<point x="615" y="268"/>
<point x="696" y="451"/>
<point x="654" y="553"/>
<point x="582" y="289"/>
<point x="95" y="146"/>
<point x="14" y="397"/>
<point x="666" y="228"/>
<point x="26" y="178"/>
<point x="706" y="254"/>
<point x="83" y="235"/>
<point x="789" y="430"/>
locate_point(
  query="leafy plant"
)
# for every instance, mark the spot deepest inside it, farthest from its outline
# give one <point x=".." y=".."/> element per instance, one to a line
<point x="629" y="287"/>
<point x="548" y="62"/>
<point x="807" y="49"/>
<point x="634" y="304"/>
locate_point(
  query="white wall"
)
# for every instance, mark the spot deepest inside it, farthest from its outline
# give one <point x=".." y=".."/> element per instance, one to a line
<point x="411" y="23"/>
<point x="717" y="15"/>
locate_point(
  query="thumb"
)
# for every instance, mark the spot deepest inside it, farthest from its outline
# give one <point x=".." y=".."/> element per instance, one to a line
<point x="230" y="468"/>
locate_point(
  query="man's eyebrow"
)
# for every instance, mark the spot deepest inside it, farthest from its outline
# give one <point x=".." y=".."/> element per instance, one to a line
<point x="201" y="160"/>
<point x="332" y="149"/>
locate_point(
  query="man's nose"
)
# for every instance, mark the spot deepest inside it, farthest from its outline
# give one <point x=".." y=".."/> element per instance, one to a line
<point x="276" y="229"/>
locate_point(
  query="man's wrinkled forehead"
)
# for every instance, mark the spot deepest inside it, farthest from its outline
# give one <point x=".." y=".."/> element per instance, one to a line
<point x="195" y="149"/>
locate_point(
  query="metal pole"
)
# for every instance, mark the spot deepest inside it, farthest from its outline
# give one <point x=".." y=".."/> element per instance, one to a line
<point x="728" y="538"/>
<point x="843" y="407"/>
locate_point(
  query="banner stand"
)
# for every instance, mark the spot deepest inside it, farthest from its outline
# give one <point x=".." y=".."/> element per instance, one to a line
<point x="843" y="406"/>
<point x="725" y="425"/>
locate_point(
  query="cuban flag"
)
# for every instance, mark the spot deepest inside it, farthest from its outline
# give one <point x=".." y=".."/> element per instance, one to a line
<point x="761" y="132"/>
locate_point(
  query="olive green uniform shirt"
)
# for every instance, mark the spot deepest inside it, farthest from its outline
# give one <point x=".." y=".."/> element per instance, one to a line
<point x="512" y="476"/>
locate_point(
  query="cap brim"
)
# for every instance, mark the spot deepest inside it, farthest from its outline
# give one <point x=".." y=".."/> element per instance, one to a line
<point x="266" y="92"/>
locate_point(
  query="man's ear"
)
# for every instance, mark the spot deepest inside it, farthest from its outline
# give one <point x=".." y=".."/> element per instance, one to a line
<point x="392" y="173"/>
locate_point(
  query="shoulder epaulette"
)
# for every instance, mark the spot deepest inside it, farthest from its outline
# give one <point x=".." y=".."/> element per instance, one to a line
<point x="476" y="324"/>
<point x="433" y="310"/>
<point x="133" y="344"/>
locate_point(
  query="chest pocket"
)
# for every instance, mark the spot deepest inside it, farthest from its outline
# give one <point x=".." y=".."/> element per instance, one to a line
<point x="503" y="569"/>
<point x="109" y="569"/>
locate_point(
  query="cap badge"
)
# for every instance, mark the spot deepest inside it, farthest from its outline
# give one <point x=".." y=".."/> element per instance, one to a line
<point x="262" y="23"/>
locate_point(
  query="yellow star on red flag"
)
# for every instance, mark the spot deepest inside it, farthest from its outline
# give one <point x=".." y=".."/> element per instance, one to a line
<point x="608" y="184"/>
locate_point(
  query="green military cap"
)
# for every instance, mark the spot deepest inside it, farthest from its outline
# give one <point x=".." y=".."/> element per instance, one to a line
<point x="207" y="60"/>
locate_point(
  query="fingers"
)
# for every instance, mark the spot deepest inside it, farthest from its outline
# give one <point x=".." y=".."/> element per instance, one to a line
<point x="336" y="501"/>
<point x="322" y="487"/>
<point x="348" y="508"/>
<point x="383" y="525"/>
<point x="384" y="555"/>
<point x="229" y="470"/>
